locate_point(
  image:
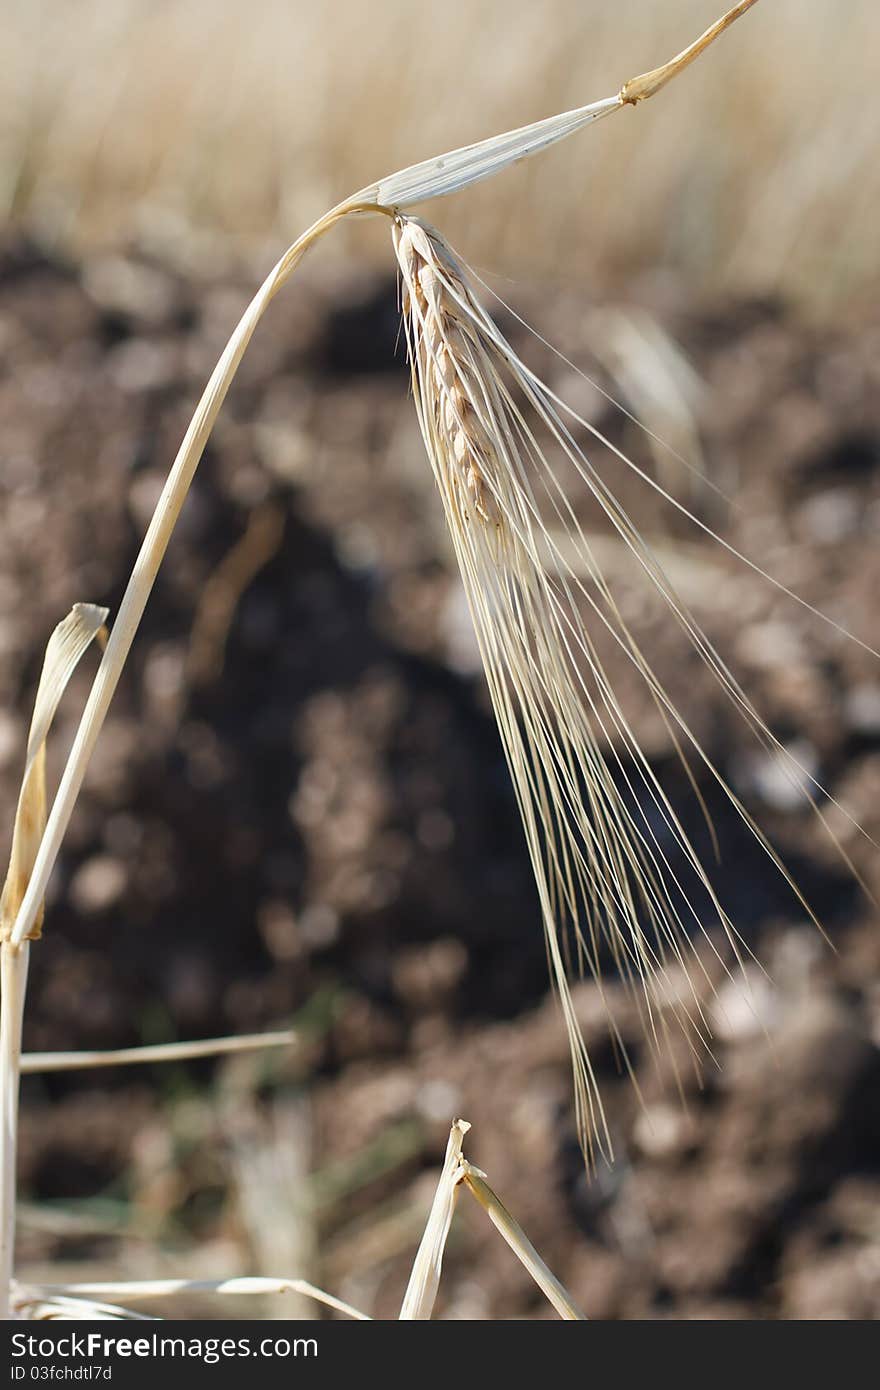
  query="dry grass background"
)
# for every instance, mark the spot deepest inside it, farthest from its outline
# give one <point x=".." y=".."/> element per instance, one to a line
<point x="128" y="119"/>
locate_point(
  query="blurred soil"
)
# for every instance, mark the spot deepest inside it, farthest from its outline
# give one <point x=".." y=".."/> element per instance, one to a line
<point x="299" y="810"/>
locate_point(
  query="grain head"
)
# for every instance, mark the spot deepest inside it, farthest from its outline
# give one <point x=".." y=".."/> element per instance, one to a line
<point x="618" y="877"/>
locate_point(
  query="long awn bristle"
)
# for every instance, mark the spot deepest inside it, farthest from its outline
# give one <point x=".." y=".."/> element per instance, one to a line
<point x="602" y="833"/>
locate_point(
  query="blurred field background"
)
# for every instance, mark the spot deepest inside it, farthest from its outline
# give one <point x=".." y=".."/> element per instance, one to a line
<point x="133" y="120"/>
<point x="299" y="812"/>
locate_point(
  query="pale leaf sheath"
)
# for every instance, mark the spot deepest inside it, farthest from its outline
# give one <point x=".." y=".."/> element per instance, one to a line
<point x="449" y="173"/>
<point x="421" y="1291"/>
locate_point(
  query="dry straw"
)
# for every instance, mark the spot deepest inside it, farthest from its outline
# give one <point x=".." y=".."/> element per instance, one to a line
<point x="155" y="1053"/>
<point x="86" y="1300"/>
<point x="458" y="1173"/>
<point x="65" y="647"/>
<point x="536" y="594"/>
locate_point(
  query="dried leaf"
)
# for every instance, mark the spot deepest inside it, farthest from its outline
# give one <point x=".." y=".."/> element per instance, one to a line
<point x="64" y="649"/>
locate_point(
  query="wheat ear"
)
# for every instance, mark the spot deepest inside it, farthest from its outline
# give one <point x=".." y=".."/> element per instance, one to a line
<point x="601" y="831"/>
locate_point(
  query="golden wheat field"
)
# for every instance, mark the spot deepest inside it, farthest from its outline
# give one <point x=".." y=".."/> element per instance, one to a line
<point x="500" y="734"/>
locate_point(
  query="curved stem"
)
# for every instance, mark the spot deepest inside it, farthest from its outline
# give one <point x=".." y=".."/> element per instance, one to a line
<point x="152" y="550"/>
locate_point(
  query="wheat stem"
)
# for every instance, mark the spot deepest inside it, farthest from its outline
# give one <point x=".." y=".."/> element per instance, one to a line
<point x="520" y="1244"/>
<point x="32" y="1062"/>
<point x="13" y="984"/>
<point x="421" y="1291"/>
<point x="150" y="557"/>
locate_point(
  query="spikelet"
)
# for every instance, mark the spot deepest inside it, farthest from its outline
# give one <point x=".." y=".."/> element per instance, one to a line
<point x="603" y="836"/>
